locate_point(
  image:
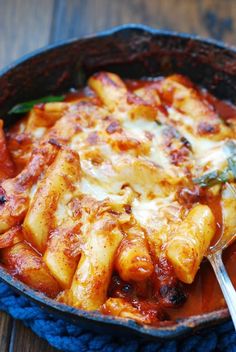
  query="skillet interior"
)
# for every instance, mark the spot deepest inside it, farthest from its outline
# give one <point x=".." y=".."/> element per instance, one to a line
<point x="131" y="51"/>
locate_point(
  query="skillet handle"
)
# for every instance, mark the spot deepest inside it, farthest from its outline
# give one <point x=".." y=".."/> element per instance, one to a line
<point x="225" y="283"/>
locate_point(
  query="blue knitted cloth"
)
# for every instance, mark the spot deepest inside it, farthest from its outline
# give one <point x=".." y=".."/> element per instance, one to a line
<point x="71" y="338"/>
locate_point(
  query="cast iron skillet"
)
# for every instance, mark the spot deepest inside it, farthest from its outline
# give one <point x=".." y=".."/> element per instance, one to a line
<point x="132" y="51"/>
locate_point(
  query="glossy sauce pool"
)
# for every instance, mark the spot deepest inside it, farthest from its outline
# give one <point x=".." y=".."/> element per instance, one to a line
<point x="204" y="294"/>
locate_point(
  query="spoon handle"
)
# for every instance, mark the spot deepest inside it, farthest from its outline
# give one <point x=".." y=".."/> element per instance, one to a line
<point x="225" y="283"/>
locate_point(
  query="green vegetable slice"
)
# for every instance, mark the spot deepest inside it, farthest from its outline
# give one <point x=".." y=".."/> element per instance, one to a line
<point x="230" y="148"/>
<point x="27" y="106"/>
<point x="232" y="164"/>
<point x="207" y="180"/>
<point x="216" y="177"/>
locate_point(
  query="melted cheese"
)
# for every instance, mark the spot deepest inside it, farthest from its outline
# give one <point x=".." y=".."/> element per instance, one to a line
<point x="152" y="173"/>
<point x="151" y="177"/>
<point x="132" y="164"/>
<point x="39" y="132"/>
<point x="137" y="129"/>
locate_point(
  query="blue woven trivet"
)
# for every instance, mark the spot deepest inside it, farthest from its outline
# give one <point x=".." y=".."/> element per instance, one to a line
<point x="71" y="338"/>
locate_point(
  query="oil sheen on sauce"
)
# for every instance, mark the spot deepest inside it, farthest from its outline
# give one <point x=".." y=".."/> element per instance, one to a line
<point x="204" y="294"/>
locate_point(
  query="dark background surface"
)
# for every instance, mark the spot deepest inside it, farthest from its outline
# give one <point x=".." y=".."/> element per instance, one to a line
<point x="26" y="25"/>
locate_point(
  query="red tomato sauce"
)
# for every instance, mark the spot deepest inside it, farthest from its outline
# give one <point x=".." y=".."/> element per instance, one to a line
<point x="204" y="294"/>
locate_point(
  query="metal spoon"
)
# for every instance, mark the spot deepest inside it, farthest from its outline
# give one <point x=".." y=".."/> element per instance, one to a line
<point x="214" y="255"/>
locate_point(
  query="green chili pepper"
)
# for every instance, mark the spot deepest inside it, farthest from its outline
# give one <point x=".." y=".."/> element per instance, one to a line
<point x="27" y="106"/>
